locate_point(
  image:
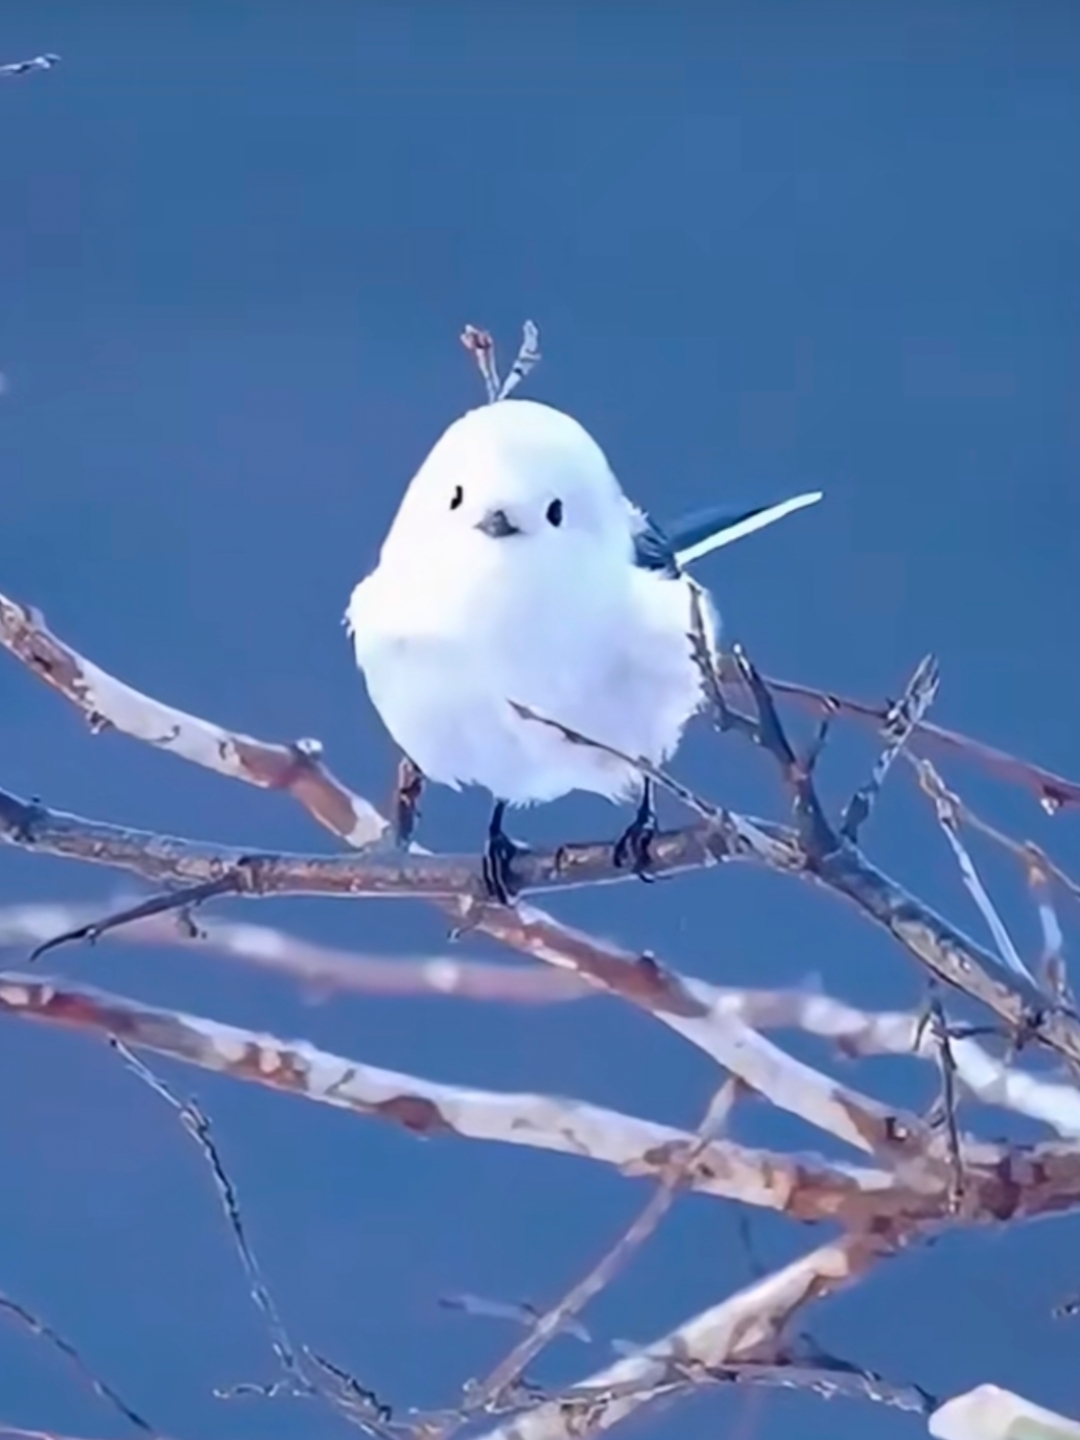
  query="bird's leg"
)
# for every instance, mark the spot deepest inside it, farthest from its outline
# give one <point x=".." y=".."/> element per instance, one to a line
<point x="499" y="854"/>
<point x="632" y="846"/>
<point x="408" y="789"/>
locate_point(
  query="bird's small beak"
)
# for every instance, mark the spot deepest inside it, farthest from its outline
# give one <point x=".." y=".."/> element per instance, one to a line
<point x="497" y="524"/>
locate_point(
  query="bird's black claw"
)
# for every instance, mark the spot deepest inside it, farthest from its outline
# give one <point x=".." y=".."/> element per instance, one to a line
<point x="499" y="878"/>
<point x="500" y="852"/>
<point x="633" y="847"/>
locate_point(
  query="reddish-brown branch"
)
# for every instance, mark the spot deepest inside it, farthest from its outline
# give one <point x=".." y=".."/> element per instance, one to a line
<point x="1054" y="791"/>
<point x="109" y="704"/>
<point x="802" y="1185"/>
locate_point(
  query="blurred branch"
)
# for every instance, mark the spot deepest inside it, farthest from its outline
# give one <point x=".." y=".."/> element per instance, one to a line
<point x="27" y="67"/>
<point x="327" y="971"/>
<point x="858" y="1032"/>
<point x="323" y="970"/>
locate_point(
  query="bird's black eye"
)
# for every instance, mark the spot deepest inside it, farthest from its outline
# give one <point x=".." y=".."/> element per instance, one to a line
<point x="554" y="513"/>
<point x="457" y="497"/>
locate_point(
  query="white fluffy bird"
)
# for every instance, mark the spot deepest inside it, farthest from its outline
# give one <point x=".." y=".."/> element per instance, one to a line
<point x="516" y="570"/>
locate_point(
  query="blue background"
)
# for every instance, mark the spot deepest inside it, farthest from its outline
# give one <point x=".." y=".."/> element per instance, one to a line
<point x="769" y="247"/>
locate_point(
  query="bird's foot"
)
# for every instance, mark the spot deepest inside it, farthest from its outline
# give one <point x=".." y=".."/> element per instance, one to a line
<point x="633" y="847"/>
<point x="500" y="852"/>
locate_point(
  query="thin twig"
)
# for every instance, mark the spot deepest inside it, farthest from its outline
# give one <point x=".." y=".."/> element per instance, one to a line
<point x="481" y="346"/>
<point x="701" y="807"/>
<point x="724" y="717"/>
<point x="816" y="834"/>
<point x="521" y="1312"/>
<point x="946" y="812"/>
<point x="26" y="67"/>
<point x="525" y="361"/>
<point x="197" y="1126"/>
<point x="935" y="1022"/>
<point x="1052" y="960"/>
<point x="296" y="1382"/>
<point x="64" y="1347"/>
<point x="1053" y="791"/>
<point x="492" y="1390"/>
<point x="108" y="704"/>
<point x="897" y="727"/>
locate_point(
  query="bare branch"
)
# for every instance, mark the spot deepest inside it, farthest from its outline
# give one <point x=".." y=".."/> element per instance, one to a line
<point x="64" y="1347"/>
<point x="855" y="1032"/>
<point x="801" y="1185"/>
<point x="897" y="727"/>
<point x="695" y="1011"/>
<point x="949" y="954"/>
<point x="1054" y="791"/>
<point x="816" y="835"/>
<point x="547" y="1326"/>
<point x="744" y="1327"/>
<point x="947" y="815"/>
<point x="231" y="870"/>
<point x="109" y="704"/>
<point x="667" y="782"/>
<point x="321" y="969"/>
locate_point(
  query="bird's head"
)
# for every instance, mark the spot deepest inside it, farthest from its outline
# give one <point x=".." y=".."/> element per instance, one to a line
<point x="508" y="482"/>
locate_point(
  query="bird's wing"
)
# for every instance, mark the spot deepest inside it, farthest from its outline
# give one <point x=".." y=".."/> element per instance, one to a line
<point x="696" y="535"/>
<point x="653" y="549"/>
